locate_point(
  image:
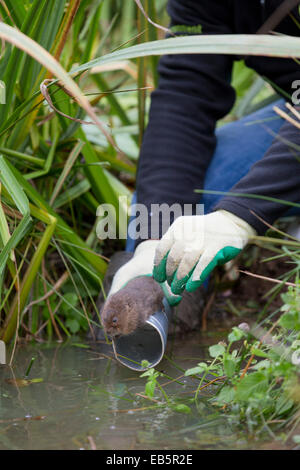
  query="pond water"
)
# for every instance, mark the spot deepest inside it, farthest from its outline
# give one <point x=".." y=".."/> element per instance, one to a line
<point x="78" y="396"/>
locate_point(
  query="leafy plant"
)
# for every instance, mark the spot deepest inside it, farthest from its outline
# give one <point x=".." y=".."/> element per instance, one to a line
<point x="259" y="371"/>
<point x="152" y="384"/>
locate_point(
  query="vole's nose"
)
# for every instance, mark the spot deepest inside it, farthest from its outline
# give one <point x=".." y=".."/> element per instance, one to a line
<point x="112" y="331"/>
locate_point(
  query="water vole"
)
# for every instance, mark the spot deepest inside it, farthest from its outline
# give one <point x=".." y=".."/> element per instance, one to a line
<point x="186" y="316"/>
<point x="130" y="307"/>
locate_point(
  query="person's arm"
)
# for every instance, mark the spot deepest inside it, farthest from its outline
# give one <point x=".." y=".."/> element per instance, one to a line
<point x="194" y="246"/>
<point x="276" y="175"/>
<point x="194" y="92"/>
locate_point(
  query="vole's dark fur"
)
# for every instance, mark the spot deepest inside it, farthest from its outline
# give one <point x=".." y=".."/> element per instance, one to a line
<point x="130" y="307"/>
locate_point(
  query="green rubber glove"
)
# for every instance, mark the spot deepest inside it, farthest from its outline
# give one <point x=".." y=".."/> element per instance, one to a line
<point x="194" y="245"/>
<point x="141" y="264"/>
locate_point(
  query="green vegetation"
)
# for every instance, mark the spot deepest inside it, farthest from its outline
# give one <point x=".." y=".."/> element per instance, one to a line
<point x="64" y="62"/>
<point x="252" y="378"/>
<point x="54" y="172"/>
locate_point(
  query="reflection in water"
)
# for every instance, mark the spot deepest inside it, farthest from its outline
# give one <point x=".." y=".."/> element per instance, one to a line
<point x="80" y="397"/>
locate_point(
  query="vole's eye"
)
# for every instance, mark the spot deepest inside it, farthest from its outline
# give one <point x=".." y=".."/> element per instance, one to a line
<point x="114" y="320"/>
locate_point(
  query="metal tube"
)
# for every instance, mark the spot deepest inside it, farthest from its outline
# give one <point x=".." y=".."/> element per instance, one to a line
<point x="146" y="343"/>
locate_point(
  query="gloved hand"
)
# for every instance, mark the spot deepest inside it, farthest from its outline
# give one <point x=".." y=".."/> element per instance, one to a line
<point x="141" y="264"/>
<point x="194" y="245"/>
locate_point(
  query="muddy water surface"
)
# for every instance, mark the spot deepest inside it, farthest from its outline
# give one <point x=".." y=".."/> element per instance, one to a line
<point x="78" y="397"/>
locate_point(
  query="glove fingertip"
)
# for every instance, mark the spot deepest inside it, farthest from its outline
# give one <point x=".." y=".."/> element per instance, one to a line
<point x="177" y="290"/>
<point x="173" y="301"/>
<point x="178" y="285"/>
<point x="159" y="274"/>
<point x="191" y="286"/>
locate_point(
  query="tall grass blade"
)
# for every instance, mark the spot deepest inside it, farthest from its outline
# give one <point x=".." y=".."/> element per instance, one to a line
<point x="26" y="44"/>
<point x="237" y="44"/>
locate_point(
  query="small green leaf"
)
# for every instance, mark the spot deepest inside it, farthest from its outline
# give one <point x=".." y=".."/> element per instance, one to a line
<point x="265" y="364"/>
<point x="73" y="325"/>
<point x="182" y="408"/>
<point x="226" y="395"/>
<point x="290" y="321"/>
<point x="72" y="299"/>
<point x="150" y="388"/>
<point x="35" y="381"/>
<point x="235" y="335"/>
<point x="149" y="372"/>
<point x="145" y="364"/>
<point x="196" y="370"/>
<point x="229" y="367"/>
<point x="258" y="352"/>
<point x="216" y="350"/>
<point x="251" y="385"/>
<point x="283" y="405"/>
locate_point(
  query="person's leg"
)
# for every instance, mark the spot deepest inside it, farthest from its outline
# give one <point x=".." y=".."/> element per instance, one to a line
<point x="240" y="144"/>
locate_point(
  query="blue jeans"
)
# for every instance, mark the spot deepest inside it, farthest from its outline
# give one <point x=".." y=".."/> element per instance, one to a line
<point x="249" y="137"/>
